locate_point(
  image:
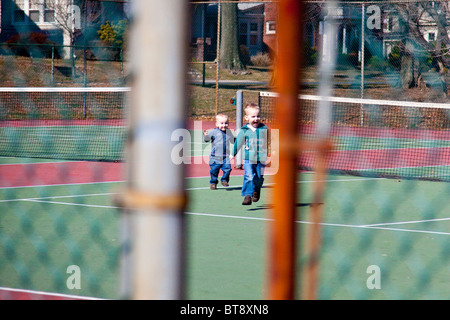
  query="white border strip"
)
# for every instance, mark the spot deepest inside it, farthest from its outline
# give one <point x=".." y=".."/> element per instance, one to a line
<point x="409" y="104"/>
<point x="65" y="89"/>
<point x="48" y="294"/>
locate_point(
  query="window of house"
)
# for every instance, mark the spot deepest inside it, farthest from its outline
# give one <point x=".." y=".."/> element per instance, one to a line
<point x="431" y="36"/>
<point x="250" y="34"/>
<point x="33" y="11"/>
<point x="391" y="21"/>
<point x="49" y="12"/>
<point x="435" y="5"/>
<point x="243" y="33"/>
<point x="270" y="27"/>
<point x="19" y="11"/>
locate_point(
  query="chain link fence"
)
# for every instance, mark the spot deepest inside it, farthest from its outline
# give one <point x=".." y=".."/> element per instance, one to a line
<point x="379" y="50"/>
<point x="382" y="238"/>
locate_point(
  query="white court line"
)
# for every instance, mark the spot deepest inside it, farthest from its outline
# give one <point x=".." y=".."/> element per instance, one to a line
<point x="42" y="162"/>
<point x="405" y="222"/>
<point x="379" y="226"/>
<point x="71" y="204"/>
<point x="268" y="219"/>
<point x="62" y="184"/>
<point x="59" y="197"/>
<point x="323" y="224"/>
<point x="187" y="189"/>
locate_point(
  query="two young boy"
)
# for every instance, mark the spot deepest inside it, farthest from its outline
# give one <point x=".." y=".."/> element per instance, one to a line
<point x="255" y="138"/>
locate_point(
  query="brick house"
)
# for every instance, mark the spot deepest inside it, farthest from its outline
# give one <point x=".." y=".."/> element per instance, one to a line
<point x="257" y="28"/>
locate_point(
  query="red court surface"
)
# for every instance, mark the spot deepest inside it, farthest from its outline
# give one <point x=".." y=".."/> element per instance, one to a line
<point x="77" y="172"/>
<point x="21" y="294"/>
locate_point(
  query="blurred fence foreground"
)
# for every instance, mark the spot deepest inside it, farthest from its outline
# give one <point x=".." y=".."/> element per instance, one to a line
<point x="155" y="183"/>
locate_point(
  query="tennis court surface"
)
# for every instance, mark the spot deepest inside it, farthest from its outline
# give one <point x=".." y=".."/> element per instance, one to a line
<point x="57" y="214"/>
<point x="384" y="228"/>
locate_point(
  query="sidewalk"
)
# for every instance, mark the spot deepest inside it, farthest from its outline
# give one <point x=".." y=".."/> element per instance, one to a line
<point x="210" y="82"/>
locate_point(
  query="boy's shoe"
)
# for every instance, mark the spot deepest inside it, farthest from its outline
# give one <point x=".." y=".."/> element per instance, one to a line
<point x="247" y="201"/>
<point x="255" y="196"/>
<point x="225" y="184"/>
<point x="213" y="186"/>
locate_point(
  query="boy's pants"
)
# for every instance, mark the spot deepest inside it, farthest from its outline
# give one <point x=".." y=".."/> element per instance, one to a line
<point x="253" y="177"/>
<point x="215" y="167"/>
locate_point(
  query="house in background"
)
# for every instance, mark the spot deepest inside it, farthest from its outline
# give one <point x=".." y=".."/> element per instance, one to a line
<point x="20" y="17"/>
<point x="379" y="38"/>
<point x="257" y="28"/>
<point x="62" y="22"/>
<point x="251" y="24"/>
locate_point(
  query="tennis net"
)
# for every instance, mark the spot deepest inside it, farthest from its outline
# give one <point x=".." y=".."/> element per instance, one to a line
<point x="63" y="123"/>
<point x="377" y="138"/>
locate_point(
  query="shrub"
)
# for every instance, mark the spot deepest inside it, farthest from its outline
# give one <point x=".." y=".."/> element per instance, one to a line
<point x="310" y="55"/>
<point x="244" y="53"/>
<point x="34" y="44"/>
<point x="395" y="57"/>
<point x="261" y="60"/>
<point x="377" y="63"/>
<point x="113" y="34"/>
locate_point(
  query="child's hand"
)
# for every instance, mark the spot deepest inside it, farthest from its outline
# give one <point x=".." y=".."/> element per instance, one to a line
<point x="269" y="159"/>
<point x="206" y="137"/>
<point x="268" y="162"/>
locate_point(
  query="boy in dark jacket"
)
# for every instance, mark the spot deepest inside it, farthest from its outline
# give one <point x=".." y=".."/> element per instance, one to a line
<point x="221" y="137"/>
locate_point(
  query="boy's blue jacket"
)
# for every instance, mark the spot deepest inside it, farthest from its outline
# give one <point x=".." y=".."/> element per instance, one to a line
<point x="256" y="143"/>
<point x="220" y="143"/>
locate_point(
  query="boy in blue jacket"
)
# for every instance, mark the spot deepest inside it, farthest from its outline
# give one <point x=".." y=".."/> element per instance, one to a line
<point x="221" y="137"/>
<point x="255" y="138"/>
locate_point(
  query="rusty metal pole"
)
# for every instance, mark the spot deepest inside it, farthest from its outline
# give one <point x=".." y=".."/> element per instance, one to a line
<point x="287" y="77"/>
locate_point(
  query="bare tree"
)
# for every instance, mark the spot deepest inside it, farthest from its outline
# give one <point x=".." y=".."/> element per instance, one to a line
<point x="417" y="19"/>
<point x="67" y="15"/>
<point x="71" y="17"/>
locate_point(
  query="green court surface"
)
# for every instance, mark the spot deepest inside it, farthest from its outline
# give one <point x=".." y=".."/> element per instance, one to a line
<point x="85" y="142"/>
<point x="402" y="227"/>
<point x="365" y="143"/>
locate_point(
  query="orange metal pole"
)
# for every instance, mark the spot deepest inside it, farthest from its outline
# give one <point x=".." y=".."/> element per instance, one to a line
<point x="282" y="233"/>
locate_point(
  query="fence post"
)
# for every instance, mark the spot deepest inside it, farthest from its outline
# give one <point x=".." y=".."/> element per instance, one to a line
<point x="53" y="65"/>
<point x="239" y="110"/>
<point x="219" y="17"/>
<point x="282" y="242"/>
<point x="121" y="64"/>
<point x="362" y="60"/>
<point x="154" y="200"/>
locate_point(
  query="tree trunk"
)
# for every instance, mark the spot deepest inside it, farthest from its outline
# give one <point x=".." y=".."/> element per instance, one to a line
<point x="407" y="72"/>
<point x="229" y="44"/>
<point x="410" y="68"/>
<point x="442" y="77"/>
<point x="411" y="14"/>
